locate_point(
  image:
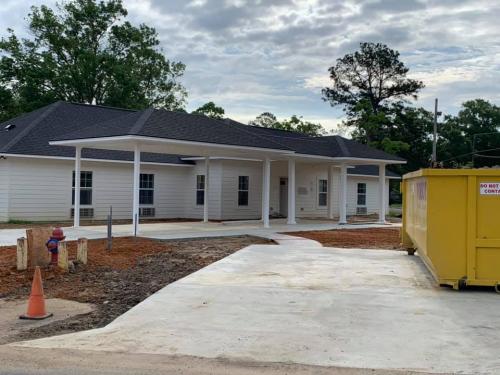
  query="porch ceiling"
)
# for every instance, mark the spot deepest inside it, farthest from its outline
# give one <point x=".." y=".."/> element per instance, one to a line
<point x="191" y="148"/>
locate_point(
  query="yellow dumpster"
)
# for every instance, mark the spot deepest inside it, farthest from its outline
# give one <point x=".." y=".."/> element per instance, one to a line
<point x="452" y="218"/>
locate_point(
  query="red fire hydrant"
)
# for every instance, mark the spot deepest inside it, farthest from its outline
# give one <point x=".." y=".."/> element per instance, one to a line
<point x="53" y="244"/>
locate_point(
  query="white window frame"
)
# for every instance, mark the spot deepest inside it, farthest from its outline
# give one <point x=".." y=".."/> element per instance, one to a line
<point x="152" y="188"/>
<point x="358" y="194"/>
<point x="83" y="180"/>
<point x="247" y="191"/>
<point x="319" y="193"/>
<point x="200" y="181"/>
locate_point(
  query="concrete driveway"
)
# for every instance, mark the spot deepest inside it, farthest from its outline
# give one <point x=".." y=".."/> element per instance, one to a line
<point x="302" y="303"/>
<point x="176" y="230"/>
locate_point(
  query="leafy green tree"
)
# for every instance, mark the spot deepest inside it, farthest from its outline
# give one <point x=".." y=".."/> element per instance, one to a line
<point x="298" y="124"/>
<point x="266" y="120"/>
<point x="295" y="123"/>
<point x="365" y="82"/>
<point x="472" y="137"/>
<point x="8" y="107"/>
<point x="85" y="51"/>
<point x="210" y="110"/>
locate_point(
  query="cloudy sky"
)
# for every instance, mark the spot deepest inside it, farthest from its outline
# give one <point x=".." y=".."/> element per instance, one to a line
<point x="251" y="56"/>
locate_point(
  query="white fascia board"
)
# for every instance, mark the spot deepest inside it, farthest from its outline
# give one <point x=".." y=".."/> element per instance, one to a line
<point x="138" y="138"/>
<point x="96" y="160"/>
<point x="346" y="159"/>
<point x="372" y="176"/>
<point x="371" y="161"/>
<point x="196" y="158"/>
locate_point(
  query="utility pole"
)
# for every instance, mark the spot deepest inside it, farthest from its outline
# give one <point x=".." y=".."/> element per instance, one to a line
<point x="434" y="138"/>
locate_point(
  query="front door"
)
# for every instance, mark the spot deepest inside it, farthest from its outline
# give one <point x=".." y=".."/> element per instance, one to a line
<point x="284" y="196"/>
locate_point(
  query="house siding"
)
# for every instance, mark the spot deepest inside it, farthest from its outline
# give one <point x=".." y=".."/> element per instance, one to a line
<point x="231" y="169"/>
<point x="191" y="209"/>
<point x="40" y="190"/>
<point x="4" y="190"/>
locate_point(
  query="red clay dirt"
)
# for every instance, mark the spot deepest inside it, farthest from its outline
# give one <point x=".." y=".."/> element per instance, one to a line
<point x="114" y="281"/>
<point x="373" y="238"/>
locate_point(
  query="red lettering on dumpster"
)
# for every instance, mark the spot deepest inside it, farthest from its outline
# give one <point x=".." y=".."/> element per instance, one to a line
<point x="489" y="188"/>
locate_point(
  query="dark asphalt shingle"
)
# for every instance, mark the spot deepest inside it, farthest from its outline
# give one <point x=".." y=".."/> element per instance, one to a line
<point x="63" y="121"/>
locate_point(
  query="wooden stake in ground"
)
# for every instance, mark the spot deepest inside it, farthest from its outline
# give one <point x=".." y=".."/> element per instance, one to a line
<point x="22" y="254"/>
<point x="37" y="249"/>
<point x="81" y="254"/>
<point x="62" y="260"/>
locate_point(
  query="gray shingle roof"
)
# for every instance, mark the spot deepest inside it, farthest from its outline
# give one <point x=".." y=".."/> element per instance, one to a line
<point x="64" y="121"/>
<point x="33" y="132"/>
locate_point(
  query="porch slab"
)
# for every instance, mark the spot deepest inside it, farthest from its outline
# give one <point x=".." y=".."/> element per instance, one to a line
<point x="309" y="305"/>
<point x="177" y="230"/>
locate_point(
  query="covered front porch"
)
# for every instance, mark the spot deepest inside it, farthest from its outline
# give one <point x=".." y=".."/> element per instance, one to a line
<point x="266" y="158"/>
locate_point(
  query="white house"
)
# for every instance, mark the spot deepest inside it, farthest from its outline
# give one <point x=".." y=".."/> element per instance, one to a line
<point x="161" y="164"/>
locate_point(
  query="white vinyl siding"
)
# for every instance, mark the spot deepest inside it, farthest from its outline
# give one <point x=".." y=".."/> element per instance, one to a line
<point x="40" y="189"/>
<point x="232" y="169"/>
<point x="193" y="210"/>
<point x="4" y="190"/>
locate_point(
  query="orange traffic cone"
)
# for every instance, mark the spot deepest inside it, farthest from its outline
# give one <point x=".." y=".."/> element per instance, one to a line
<point x="36" y="303"/>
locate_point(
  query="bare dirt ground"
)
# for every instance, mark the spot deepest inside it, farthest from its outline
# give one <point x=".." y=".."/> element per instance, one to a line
<point x="114" y="281"/>
<point x="374" y="238"/>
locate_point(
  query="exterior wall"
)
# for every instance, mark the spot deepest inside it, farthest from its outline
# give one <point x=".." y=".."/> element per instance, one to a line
<point x="191" y="209"/>
<point x="307" y="181"/>
<point x="372" y="194"/>
<point x="307" y="185"/>
<point x="4" y="190"/>
<point x="231" y="169"/>
<point x="40" y="190"/>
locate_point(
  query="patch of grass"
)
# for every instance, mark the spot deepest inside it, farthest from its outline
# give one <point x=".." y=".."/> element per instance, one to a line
<point x="13" y="221"/>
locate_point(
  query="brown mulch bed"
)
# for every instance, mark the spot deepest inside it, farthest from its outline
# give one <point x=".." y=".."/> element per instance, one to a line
<point x="374" y="238"/>
<point x="116" y="280"/>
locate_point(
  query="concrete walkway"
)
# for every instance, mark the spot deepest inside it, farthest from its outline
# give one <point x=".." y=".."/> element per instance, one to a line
<point x="189" y="229"/>
<point x="301" y="303"/>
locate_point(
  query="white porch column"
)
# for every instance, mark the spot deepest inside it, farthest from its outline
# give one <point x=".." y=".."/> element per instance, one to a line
<point x="205" y="192"/>
<point x="135" y="201"/>
<point x="343" y="195"/>
<point x="330" y="191"/>
<point x="266" y="186"/>
<point x="382" y="197"/>
<point x="291" y="192"/>
<point x="76" y="206"/>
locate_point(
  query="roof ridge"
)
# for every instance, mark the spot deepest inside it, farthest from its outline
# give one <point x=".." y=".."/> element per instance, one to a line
<point x="277" y="129"/>
<point x="342" y="146"/>
<point x="49" y="109"/>
<point x="101" y="106"/>
<point x="146" y="114"/>
<point x="241" y="128"/>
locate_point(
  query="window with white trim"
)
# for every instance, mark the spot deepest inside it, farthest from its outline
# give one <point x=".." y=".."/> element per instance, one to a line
<point x="200" y="189"/>
<point x="243" y="187"/>
<point x="146" y="188"/>
<point x="322" y="193"/>
<point x="361" y="194"/>
<point x="85" y="188"/>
